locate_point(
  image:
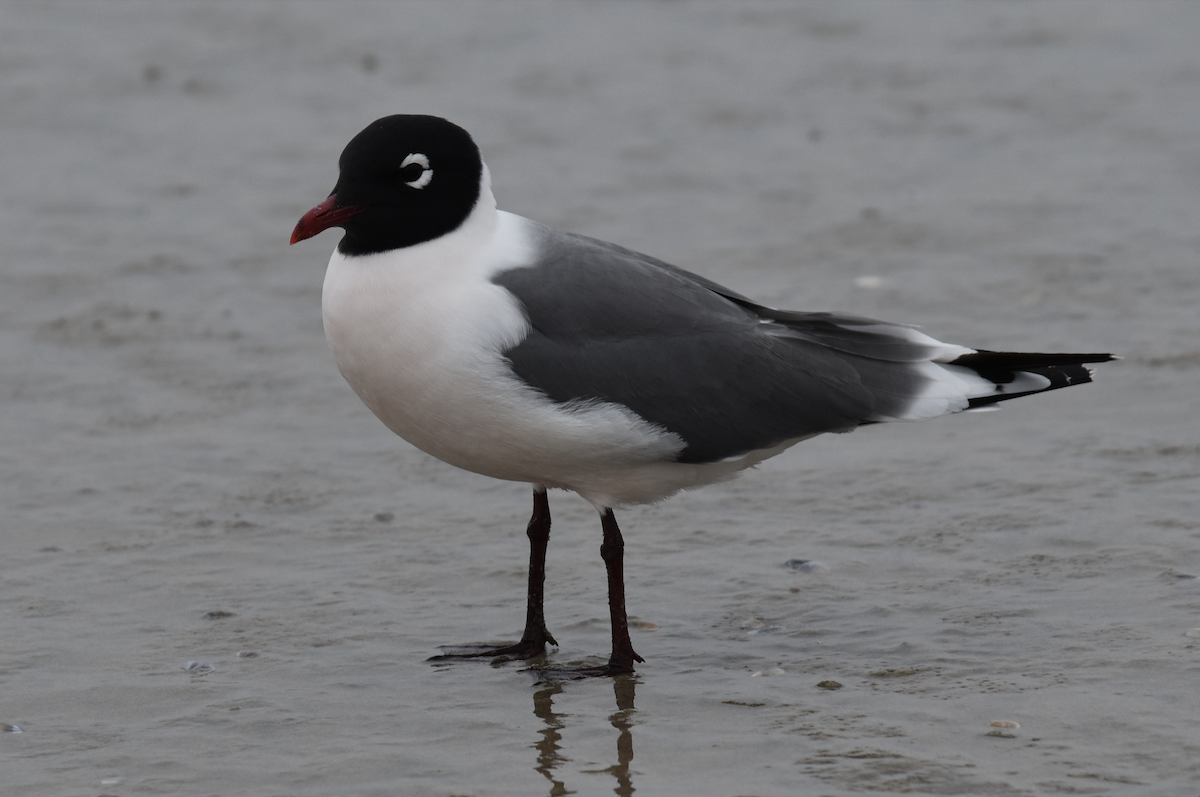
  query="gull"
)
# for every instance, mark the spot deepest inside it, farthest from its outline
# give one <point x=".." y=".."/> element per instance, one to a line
<point x="517" y="351"/>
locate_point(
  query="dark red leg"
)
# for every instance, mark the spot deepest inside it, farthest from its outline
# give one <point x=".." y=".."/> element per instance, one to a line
<point x="533" y="641"/>
<point x="612" y="551"/>
<point x="536" y="636"/>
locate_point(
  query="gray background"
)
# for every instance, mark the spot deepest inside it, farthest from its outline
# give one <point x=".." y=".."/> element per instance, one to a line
<point x="175" y="439"/>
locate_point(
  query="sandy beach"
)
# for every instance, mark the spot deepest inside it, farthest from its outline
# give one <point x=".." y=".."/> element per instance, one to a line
<point x="221" y="575"/>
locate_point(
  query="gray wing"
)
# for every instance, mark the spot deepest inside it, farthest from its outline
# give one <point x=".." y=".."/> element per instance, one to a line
<point x="728" y="376"/>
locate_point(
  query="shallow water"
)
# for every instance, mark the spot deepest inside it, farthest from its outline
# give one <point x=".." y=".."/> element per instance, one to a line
<point x="188" y="481"/>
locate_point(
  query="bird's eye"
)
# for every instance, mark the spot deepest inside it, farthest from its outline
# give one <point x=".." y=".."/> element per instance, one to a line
<point x="415" y="171"/>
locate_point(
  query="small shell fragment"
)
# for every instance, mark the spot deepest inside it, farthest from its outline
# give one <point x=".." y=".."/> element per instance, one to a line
<point x="1192" y="632"/>
<point x="1003" y="729"/>
<point x="6" y="728"/>
<point x="110" y="781"/>
<point x="198" y="667"/>
<point x="767" y="673"/>
<point x="247" y="654"/>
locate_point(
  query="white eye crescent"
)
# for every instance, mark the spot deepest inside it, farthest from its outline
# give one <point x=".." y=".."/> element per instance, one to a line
<point x="426" y="172"/>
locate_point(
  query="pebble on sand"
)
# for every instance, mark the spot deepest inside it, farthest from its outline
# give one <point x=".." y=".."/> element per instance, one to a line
<point x="807" y="566"/>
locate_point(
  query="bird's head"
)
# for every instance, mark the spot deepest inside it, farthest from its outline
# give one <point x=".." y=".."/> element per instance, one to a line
<point x="403" y="180"/>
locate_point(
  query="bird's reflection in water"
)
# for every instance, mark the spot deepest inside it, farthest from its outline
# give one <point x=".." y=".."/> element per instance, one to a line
<point x="550" y="756"/>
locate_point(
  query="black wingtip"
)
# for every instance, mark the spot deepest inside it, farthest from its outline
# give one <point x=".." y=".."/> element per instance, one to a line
<point x="1020" y="361"/>
<point x="1062" y="370"/>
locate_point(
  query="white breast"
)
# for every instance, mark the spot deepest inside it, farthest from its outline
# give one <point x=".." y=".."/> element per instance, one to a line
<point x="419" y="334"/>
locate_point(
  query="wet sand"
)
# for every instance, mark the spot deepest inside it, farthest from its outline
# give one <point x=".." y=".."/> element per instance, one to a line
<point x="186" y="477"/>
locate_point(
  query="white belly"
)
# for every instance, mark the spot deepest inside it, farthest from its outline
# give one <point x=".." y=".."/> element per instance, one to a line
<point x="419" y="334"/>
